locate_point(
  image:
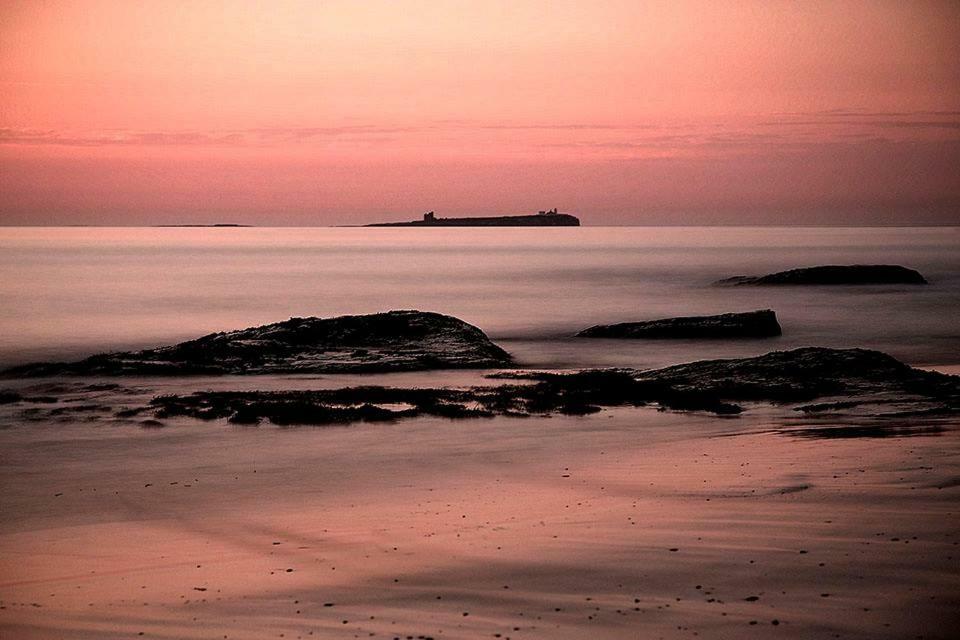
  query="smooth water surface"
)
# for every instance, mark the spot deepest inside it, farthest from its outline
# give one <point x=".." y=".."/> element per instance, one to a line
<point x="69" y="292"/>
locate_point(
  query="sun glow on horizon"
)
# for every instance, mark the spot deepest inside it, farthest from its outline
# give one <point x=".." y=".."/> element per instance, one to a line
<point x="338" y="112"/>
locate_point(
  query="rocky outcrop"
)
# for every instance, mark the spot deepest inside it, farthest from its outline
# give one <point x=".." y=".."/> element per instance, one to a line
<point x="804" y="374"/>
<point x="818" y="385"/>
<point x="579" y="393"/>
<point x="752" y="324"/>
<point x="833" y="275"/>
<point x="870" y="379"/>
<point x="392" y="341"/>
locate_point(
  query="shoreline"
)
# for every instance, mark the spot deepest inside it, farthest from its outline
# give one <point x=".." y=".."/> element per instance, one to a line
<point x="795" y="518"/>
<point x="537" y="528"/>
<point x="631" y="520"/>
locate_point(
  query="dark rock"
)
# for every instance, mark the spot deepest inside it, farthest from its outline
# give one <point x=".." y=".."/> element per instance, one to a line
<point x="833" y="275"/>
<point x="710" y="385"/>
<point x="752" y="324"/>
<point x="827" y="406"/>
<point x="129" y="413"/>
<point x="572" y="394"/>
<point x="392" y="341"/>
<point x="804" y="374"/>
<point x="863" y="380"/>
<point x="9" y="397"/>
<point x="881" y="430"/>
<point x="579" y="409"/>
<point x="103" y="387"/>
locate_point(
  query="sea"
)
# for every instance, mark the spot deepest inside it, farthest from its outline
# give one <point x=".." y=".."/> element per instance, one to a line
<point x="70" y="292"/>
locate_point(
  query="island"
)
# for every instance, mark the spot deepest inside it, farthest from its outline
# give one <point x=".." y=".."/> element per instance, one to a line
<point x="751" y="324"/>
<point x="550" y="218"/>
<point x="833" y="275"/>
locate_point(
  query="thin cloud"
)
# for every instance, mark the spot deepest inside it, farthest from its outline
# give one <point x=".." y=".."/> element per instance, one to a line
<point x="243" y="137"/>
<point x="857" y="118"/>
<point x="861" y="113"/>
<point x="889" y="124"/>
<point x="563" y="127"/>
<point x="780" y="131"/>
<point x="11" y="136"/>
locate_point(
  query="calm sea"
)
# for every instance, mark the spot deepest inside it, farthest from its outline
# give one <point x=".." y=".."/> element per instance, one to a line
<point x="68" y="292"/>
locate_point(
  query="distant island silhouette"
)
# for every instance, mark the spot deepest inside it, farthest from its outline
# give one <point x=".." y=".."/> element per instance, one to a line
<point x="550" y="218"/>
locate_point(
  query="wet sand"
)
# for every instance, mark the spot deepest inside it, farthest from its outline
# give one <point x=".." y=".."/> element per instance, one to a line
<point x="629" y="523"/>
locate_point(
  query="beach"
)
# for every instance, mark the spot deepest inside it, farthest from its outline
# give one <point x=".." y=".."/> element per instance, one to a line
<point x="633" y="523"/>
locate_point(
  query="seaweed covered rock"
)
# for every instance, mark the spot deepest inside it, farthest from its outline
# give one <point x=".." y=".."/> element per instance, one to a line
<point x="868" y="378"/>
<point x="391" y="341"/>
<point x="751" y="324"/>
<point x="833" y="275"/>
<point x="856" y="382"/>
<point x="808" y="373"/>
<point x="578" y="394"/>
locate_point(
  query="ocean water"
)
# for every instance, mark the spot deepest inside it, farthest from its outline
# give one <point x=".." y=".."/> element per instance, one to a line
<point x="71" y="292"/>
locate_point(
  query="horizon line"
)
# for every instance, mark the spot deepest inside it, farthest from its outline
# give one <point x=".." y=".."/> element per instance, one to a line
<point x="230" y="225"/>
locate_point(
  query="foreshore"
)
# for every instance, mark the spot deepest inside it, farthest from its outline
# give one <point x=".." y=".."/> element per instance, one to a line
<point x="630" y="523"/>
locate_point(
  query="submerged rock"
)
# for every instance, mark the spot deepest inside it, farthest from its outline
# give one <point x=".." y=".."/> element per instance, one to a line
<point x="833" y="275"/>
<point x="715" y="386"/>
<point x="882" y="430"/>
<point x="392" y="341"/>
<point x="579" y="393"/>
<point x="752" y="324"/>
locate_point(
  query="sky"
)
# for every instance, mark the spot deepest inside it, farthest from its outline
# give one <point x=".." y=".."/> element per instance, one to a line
<point x="345" y="112"/>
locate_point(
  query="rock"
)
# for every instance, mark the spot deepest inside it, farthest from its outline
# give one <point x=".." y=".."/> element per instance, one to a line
<point x="9" y="397"/>
<point x="833" y="275"/>
<point x="752" y="324"/>
<point x="392" y="341"/>
<point x="883" y="430"/>
<point x="12" y="397"/>
<point x="874" y="385"/>
<point x="807" y="373"/>
<point x="710" y="385"/>
<point x="579" y="393"/>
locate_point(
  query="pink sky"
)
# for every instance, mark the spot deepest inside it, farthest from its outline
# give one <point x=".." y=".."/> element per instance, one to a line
<point x="631" y="112"/>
